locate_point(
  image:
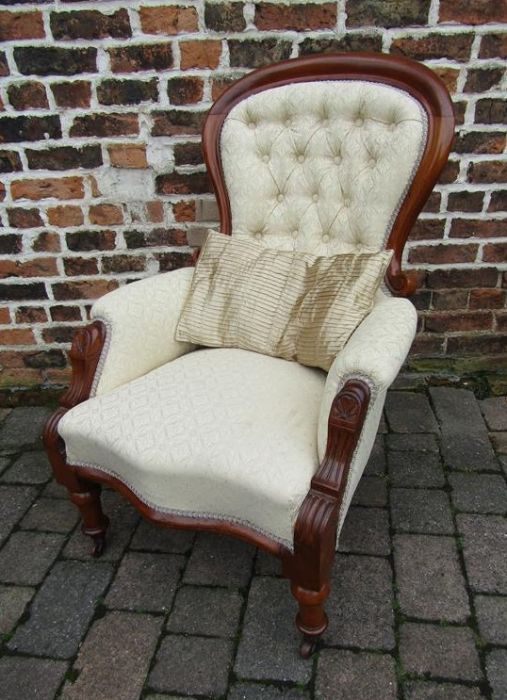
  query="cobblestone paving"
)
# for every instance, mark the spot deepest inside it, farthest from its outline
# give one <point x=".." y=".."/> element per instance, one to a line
<point x="418" y="609"/>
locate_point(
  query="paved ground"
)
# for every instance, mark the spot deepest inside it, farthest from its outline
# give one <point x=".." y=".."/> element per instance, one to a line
<point x="419" y="603"/>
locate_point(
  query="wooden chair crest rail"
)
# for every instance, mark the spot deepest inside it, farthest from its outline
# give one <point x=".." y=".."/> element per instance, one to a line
<point x="307" y="563"/>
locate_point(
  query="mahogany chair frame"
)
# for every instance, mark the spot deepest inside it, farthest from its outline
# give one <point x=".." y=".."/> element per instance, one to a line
<point x="308" y="566"/>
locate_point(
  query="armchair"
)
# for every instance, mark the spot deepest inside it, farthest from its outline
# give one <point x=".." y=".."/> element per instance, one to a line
<point x="326" y="154"/>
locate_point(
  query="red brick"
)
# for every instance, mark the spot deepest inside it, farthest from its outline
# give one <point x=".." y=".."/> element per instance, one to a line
<point x="64" y="157"/>
<point x="186" y="90"/>
<point x="105" y="214"/>
<point x="155" y="238"/>
<point x="17" y="336"/>
<point x="10" y="162"/>
<point x="188" y="183"/>
<point x="72" y="94"/>
<point x="427" y="229"/>
<point x="168" y="20"/>
<point x="88" y="289"/>
<point x="30" y="95"/>
<point x="449" y="76"/>
<point x="501" y="321"/>
<point x="60" y="188"/>
<point x="298" y="17"/>
<point x="188" y="154"/>
<point x="65" y="313"/>
<point x="132" y="58"/>
<point x="46" y="242"/>
<point x="21" y="25"/>
<point x="493" y="46"/>
<point x="452" y="322"/>
<point x="177" y="122"/>
<point x="5" y="316"/>
<point x="24" y="218"/>
<point x="128" y="155"/>
<point x="81" y="241"/>
<point x="22" y="292"/>
<point x="480" y="142"/>
<point x="472" y="11"/>
<point x="10" y="243"/>
<point x="60" y="334"/>
<point x="491" y="111"/>
<point x="495" y="252"/>
<point x="65" y="215"/>
<point x="254" y="53"/>
<point x="21" y="378"/>
<point x="123" y="263"/>
<point x="31" y="314"/>
<point x="465" y="201"/>
<point x="479" y="228"/>
<point x="483" y="79"/>
<point x="109" y="124"/>
<point x="173" y="261"/>
<point x="220" y="84"/>
<point x="155" y="212"/>
<point x="29" y="128"/>
<point x="442" y="254"/>
<point x="200" y="54"/>
<point x="452" y="46"/>
<point x="127" y="92"/>
<point x="433" y="203"/>
<point x="488" y="171"/>
<point x="39" y="267"/>
<point x="90" y="24"/>
<point x="224" y="16"/>
<point x="482" y="344"/>
<point x="80" y="266"/>
<point x="184" y="211"/>
<point x="498" y="201"/>
<point x="4" y="68"/>
<point x="449" y="173"/>
<point x="427" y="345"/>
<point x="459" y="109"/>
<point x="55" y="60"/>
<point x="487" y="298"/>
<point x="450" y="300"/>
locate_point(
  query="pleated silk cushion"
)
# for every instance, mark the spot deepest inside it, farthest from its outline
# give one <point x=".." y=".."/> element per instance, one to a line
<point x="296" y="306"/>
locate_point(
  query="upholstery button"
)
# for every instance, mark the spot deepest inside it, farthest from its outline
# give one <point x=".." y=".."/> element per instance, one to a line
<point x="287" y="122"/>
<point x="392" y="126"/>
<point x="301" y="158"/>
<point x="294" y="234"/>
<point x="372" y="162"/>
<point x="359" y="121"/>
<point x="265" y="159"/>
<point x="258" y="235"/>
<point x="325" y="122"/>
<point x="346" y="202"/>
<point x="325" y="238"/>
<point x="251" y="125"/>
<point x="337" y="159"/>
<point x="280" y="197"/>
<point x="315" y="197"/>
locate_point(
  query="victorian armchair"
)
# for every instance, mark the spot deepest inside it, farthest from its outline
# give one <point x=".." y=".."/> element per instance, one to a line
<point x="328" y="154"/>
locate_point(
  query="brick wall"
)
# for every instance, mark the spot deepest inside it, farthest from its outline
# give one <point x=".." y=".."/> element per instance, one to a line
<point x="101" y="170"/>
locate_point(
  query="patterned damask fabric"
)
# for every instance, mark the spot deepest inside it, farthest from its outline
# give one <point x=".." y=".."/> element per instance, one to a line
<point x="323" y="166"/>
<point x="140" y="319"/>
<point x="375" y="352"/>
<point x="224" y="433"/>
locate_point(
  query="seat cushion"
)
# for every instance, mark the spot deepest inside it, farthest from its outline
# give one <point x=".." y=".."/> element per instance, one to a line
<point x="220" y="433"/>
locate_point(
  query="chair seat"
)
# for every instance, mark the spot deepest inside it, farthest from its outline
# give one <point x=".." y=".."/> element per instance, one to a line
<point x="221" y="433"/>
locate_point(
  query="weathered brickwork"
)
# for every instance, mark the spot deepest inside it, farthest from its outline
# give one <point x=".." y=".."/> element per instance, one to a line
<point x="102" y="179"/>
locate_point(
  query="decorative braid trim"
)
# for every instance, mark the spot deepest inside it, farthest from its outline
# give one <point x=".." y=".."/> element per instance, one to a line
<point x="187" y="513"/>
<point x="103" y="355"/>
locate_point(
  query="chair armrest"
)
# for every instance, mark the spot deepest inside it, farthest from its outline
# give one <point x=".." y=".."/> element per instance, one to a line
<point x="374" y="353"/>
<point x="140" y="319"/>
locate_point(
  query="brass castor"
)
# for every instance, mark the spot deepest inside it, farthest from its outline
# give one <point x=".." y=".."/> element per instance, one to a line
<point x="308" y="647"/>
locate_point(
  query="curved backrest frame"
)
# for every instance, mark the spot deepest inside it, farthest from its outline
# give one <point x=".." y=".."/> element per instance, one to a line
<point x="407" y="75"/>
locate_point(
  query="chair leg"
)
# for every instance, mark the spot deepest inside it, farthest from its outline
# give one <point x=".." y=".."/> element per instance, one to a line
<point x="311" y="619"/>
<point x="94" y="521"/>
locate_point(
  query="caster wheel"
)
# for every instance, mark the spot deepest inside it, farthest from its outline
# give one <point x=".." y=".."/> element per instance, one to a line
<point x="307" y="648"/>
<point x="99" y="544"/>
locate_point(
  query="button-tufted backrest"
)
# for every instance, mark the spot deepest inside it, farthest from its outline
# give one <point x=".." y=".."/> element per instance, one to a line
<point x="321" y="166"/>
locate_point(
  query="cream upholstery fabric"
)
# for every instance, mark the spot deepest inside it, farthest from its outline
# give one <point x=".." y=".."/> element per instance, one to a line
<point x="375" y="352"/>
<point x="281" y="303"/>
<point x="141" y="319"/>
<point x="226" y="433"/>
<point x="321" y="167"/>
